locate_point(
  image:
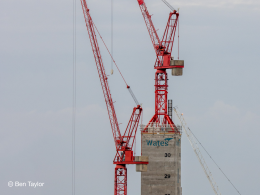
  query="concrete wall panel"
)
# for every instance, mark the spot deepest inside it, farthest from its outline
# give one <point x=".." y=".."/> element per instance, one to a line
<point x="163" y="174"/>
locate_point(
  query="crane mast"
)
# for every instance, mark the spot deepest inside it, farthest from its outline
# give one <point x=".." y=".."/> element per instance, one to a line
<point x="164" y="61"/>
<point x="124" y="144"/>
<point x="163" y="50"/>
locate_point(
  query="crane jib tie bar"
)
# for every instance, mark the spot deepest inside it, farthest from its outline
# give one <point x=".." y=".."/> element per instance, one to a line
<point x="127" y="86"/>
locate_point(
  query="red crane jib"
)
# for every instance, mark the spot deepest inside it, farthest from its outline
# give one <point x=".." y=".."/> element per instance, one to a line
<point x="124" y="144"/>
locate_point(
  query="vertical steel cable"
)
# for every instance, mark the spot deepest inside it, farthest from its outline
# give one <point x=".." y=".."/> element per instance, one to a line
<point x="112" y="36"/>
<point x="178" y="38"/>
<point x="74" y="97"/>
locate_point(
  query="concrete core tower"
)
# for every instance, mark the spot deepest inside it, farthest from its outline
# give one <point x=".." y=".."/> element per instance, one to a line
<point x="163" y="147"/>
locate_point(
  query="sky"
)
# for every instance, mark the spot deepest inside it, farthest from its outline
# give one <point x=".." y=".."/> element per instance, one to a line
<point x="218" y="92"/>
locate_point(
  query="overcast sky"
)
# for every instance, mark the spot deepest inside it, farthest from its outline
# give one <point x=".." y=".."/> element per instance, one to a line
<point x="218" y="93"/>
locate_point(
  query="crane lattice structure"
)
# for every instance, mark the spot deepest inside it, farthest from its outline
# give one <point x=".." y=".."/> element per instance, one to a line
<point x="164" y="61"/>
<point x="124" y="144"/>
<point x="196" y="150"/>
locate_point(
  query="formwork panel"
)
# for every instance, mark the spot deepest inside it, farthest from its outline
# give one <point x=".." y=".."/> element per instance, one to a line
<point x="163" y="176"/>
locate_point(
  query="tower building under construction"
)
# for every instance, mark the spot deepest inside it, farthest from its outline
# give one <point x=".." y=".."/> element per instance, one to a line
<point x="163" y="148"/>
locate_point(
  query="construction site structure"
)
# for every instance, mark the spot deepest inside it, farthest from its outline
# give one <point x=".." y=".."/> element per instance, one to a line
<point x="123" y="142"/>
<point x="161" y="138"/>
<point x="163" y="147"/>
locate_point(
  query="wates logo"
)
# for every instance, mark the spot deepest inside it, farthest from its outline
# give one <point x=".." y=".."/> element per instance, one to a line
<point x="158" y="143"/>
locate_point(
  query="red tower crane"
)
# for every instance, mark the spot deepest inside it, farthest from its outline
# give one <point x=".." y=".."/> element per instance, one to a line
<point x="163" y="50"/>
<point x="124" y="144"/>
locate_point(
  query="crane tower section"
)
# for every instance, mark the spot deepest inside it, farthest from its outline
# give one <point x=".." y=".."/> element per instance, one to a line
<point x="161" y="138"/>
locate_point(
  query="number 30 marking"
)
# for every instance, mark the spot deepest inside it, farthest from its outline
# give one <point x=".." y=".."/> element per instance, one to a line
<point x="167" y="155"/>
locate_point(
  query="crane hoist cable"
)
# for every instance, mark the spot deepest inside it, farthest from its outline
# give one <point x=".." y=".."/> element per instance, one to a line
<point x="112" y="34"/>
<point x="124" y="143"/>
<point x="127" y="86"/>
<point x="193" y="141"/>
<point x="74" y="94"/>
<point x="215" y="162"/>
<point x="196" y="150"/>
<point x="168" y="4"/>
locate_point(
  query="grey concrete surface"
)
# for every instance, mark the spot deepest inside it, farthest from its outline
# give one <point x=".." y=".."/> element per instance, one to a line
<point x="163" y="176"/>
